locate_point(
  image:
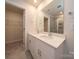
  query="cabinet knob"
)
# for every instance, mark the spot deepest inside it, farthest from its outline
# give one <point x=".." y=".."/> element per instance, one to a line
<point x="29" y="41"/>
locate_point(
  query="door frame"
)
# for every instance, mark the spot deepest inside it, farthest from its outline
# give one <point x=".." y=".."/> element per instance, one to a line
<point x="45" y="19"/>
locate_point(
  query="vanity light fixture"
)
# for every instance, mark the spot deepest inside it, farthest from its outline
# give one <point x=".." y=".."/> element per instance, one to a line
<point x="35" y="1"/>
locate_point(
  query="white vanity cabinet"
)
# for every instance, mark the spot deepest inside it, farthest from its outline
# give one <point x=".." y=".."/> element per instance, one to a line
<point x="32" y="46"/>
<point x="41" y="50"/>
<point x="46" y="51"/>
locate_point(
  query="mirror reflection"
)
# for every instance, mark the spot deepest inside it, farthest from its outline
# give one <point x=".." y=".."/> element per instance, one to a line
<point x="45" y="24"/>
<point x="57" y="23"/>
<point x="51" y="18"/>
<point x="56" y="14"/>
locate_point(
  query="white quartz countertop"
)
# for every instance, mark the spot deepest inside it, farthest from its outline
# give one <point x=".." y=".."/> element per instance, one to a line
<point x="54" y="40"/>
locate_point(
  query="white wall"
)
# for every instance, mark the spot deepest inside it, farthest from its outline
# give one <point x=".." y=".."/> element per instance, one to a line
<point x="30" y="16"/>
<point x="69" y="25"/>
<point x="40" y="20"/>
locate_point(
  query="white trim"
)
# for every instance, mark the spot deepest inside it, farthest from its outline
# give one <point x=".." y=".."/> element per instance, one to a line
<point x="14" y="4"/>
<point x="49" y="24"/>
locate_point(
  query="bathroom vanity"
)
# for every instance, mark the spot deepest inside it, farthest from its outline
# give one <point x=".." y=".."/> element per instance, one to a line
<point x="48" y="43"/>
<point x="43" y="46"/>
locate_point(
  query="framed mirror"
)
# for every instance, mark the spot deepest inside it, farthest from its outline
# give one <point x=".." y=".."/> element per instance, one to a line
<point x="56" y="12"/>
<point x="51" y="17"/>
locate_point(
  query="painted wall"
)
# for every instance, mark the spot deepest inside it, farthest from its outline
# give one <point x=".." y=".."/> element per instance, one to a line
<point x="40" y="20"/>
<point x="69" y="25"/>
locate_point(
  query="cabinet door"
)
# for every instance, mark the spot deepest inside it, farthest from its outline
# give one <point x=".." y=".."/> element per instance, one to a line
<point x="32" y="46"/>
<point x="46" y="51"/>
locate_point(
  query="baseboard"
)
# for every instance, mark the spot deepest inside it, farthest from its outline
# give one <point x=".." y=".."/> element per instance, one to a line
<point x="14" y="42"/>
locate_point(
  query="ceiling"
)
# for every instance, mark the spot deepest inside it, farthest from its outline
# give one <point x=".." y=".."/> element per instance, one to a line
<point x="33" y="3"/>
<point x="55" y="7"/>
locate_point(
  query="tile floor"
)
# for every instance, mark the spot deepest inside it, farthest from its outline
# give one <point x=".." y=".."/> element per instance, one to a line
<point x="16" y="51"/>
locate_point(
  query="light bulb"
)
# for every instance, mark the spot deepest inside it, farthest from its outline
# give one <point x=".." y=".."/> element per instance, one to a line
<point x="35" y="1"/>
<point x="61" y="12"/>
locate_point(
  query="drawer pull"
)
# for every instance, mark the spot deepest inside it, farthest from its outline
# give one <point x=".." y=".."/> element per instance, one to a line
<point x="39" y="52"/>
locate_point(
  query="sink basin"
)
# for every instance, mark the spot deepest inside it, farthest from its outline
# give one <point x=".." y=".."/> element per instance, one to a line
<point x="46" y="36"/>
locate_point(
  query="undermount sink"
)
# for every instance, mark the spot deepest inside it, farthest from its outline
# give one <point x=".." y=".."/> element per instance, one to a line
<point x="50" y="35"/>
<point x="46" y="36"/>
